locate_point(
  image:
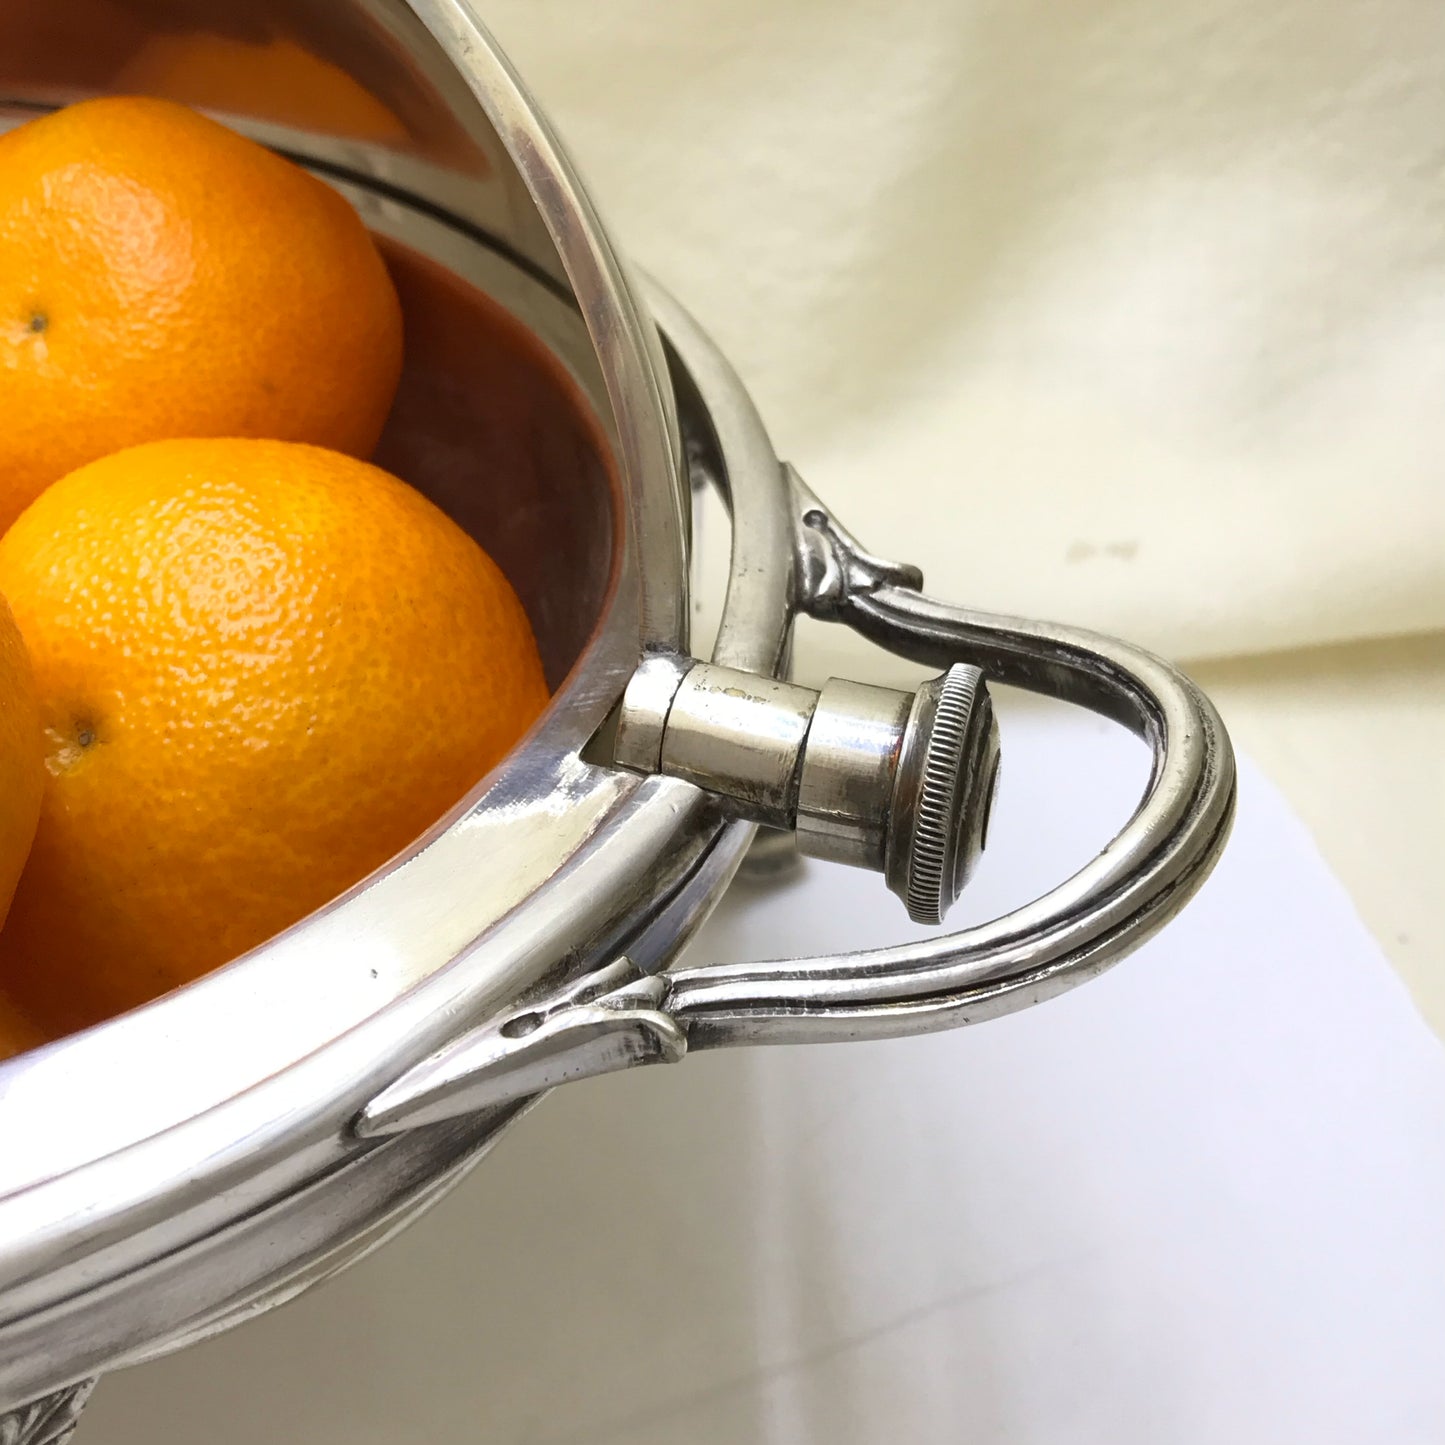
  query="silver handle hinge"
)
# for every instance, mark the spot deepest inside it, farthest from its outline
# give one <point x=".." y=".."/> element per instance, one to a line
<point x="900" y="783"/>
<point x="611" y="1019"/>
<point x="831" y="568"/>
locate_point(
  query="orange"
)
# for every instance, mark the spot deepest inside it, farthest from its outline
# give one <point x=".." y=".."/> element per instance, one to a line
<point x="21" y="774"/>
<point x="263" y="669"/>
<point x="276" y="79"/>
<point x="161" y="276"/>
<point x="22" y="780"/>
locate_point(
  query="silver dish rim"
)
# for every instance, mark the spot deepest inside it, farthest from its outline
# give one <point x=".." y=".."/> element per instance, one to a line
<point x="119" y="1186"/>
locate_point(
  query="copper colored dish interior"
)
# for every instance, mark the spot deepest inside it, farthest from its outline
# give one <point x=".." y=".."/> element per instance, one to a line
<point x="493" y="430"/>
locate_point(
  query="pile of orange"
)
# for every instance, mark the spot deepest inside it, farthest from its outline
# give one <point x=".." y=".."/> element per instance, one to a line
<point x="240" y="667"/>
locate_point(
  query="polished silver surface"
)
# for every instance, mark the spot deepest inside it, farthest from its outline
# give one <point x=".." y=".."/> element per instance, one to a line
<point x="646" y="703"/>
<point x="1065" y="938"/>
<point x="48" y="1421"/>
<point x="1090" y="921"/>
<point x="137" y="1212"/>
<point x="740" y="736"/>
<point x="867" y="776"/>
<point x="946" y="781"/>
<point x="850" y="767"/>
<point x="177" y="1170"/>
<point x="608" y="1021"/>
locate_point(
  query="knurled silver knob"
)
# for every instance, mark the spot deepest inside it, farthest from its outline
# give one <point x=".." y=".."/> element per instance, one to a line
<point x="894" y="781"/>
<point x="943" y="792"/>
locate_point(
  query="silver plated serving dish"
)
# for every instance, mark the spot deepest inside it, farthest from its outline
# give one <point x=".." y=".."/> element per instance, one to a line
<point x="171" y="1172"/>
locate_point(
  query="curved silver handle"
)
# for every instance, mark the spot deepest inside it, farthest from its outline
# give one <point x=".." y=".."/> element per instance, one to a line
<point x="1073" y="933"/>
<point x="617" y="1019"/>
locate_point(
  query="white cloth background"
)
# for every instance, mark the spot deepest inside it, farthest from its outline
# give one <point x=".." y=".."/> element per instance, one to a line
<point x="1127" y="312"/>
